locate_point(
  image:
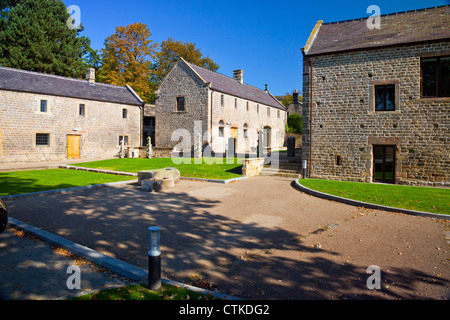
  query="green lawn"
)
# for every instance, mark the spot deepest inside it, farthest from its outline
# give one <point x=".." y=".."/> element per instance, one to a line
<point x="435" y="200"/>
<point x="18" y="182"/>
<point x="140" y="292"/>
<point x="190" y="169"/>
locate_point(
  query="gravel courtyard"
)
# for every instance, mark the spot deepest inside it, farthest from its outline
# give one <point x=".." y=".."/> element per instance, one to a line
<point x="258" y="238"/>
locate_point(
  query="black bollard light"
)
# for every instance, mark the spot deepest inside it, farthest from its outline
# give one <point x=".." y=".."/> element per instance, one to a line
<point x="154" y="259"/>
<point x="305" y="165"/>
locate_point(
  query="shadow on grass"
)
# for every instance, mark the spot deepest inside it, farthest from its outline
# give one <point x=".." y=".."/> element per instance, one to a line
<point x="15" y="185"/>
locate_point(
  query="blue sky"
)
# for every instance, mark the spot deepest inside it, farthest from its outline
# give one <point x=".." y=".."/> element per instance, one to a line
<point x="264" y="38"/>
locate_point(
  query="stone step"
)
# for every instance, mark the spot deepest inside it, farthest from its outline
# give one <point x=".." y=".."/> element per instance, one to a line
<point x="280" y="172"/>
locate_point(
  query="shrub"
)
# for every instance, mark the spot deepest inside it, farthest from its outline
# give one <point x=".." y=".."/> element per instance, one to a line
<point x="294" y="123"/>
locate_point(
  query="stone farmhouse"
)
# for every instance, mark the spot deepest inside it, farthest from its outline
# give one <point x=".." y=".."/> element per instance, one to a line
<point x="45" y="117"/>
<point x="376" y="103"/>
<point x="192" y="98"/>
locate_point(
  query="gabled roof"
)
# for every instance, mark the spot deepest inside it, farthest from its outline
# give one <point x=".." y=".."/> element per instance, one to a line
<point x="233" y="87"/>
<point x="416" y="26"/>
<point x="40" y="83"/>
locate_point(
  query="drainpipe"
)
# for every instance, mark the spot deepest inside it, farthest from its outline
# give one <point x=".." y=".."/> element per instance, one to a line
<point x="310" y="110"/>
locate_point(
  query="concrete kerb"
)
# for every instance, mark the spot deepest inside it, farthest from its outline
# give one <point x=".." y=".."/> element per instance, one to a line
<point x="357" y="203"/>
<point x="120" y="267"/>
<point x="135" y="174"/>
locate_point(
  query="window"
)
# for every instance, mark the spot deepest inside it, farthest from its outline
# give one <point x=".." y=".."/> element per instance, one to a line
<point x="257" y="108"/>
<point x="43" y="105"/>
<point x="435" y="76"/>
<point x="221" y="129"/>
<point x="124" y="113"/>
<point x="180" y="104"/>
<point x="268" y="111"/>
<point x="222" y="100"/>
<point x="245" y="131"/>
<point x="82" y="109"/>
<point x="235" y="103"/>
<point x="42" y="139"/>
<point x="278" y="113"/>
<point x="338" y="160"/>
<point x="385" y="98"/>
<point x="247" y="105"/>
<point x="125" y="140"/>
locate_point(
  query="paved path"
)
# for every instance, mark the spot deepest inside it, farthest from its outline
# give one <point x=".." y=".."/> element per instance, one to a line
<point x="259" y="238"/>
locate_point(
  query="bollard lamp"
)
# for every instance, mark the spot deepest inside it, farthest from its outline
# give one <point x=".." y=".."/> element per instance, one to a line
<point x="154" y="259"/>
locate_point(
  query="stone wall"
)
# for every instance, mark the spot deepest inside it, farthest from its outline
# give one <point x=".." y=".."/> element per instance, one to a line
<point x="345" y="124"/>
<point x="252" y="167"/>
<point x="99" y="129"/>
<point x="181" y="82"/>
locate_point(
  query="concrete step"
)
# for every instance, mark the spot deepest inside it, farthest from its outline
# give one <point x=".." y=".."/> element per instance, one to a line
<point x="281" y="172"/>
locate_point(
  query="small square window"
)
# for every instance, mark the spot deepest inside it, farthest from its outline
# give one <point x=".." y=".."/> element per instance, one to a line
<point x="124" y="113"/>
<point x="82" y="109"/>
<point x="385" y="98"/>
<point x="180" y="104"/>
<point x="43" y="105"/>
<point x="125" y="140"/>
<point x="42" y="139"/>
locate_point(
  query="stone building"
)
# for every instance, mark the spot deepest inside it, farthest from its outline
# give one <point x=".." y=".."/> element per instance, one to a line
<point x="193" y="99"/>
<point x="296" y="105"/>
<point x="376" y="103"/>
<point x="45" y="117"/>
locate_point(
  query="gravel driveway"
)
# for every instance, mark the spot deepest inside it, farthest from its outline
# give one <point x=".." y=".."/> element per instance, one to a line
<point x="259" y="238"/>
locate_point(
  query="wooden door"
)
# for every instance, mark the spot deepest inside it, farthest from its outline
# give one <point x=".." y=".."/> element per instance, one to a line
<point x="73" y="147"/>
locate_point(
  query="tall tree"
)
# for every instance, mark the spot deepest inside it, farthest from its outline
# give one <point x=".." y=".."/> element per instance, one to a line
<point x="34" y="36"/>
<point x="169" y="53"/>
<point x="127" y="58"/>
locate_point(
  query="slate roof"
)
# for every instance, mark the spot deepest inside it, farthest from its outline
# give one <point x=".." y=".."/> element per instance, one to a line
<point x="40" y="83"/>
<point x="422" y="25"/>
<point x="233" y="87"/>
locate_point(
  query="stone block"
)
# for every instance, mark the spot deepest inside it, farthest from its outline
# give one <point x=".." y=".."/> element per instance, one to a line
<point x="159" y="174"/>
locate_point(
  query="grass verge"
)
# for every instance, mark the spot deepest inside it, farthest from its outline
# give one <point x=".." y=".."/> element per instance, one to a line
<point x="434" y="200"/>
<point x="19" y="182"/>
<point x="141" y="292"/>
<point x="208" y="169"/>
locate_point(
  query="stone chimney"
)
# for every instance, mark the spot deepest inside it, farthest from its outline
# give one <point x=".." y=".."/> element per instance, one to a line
<point x="239" y="76"/>
<point x="90" y="75"/>
<point x="295" y="97"/>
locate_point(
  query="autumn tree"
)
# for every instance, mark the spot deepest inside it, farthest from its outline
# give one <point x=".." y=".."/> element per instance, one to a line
<point x="169" y="53"/>
<point x="127" y="59"/>
<point x="34" y="36"/>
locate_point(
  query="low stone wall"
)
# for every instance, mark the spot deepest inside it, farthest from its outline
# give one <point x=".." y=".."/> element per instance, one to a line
<point x="252" y="167"/>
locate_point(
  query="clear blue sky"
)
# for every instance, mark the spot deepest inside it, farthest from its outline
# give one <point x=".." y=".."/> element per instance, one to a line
<point x="261" y="37"/>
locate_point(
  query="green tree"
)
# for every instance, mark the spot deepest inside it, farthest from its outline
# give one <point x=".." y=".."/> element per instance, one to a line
<point x="294" y="123"/>
<point x="169" y="53"/>
<point x="34" y="36"/>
